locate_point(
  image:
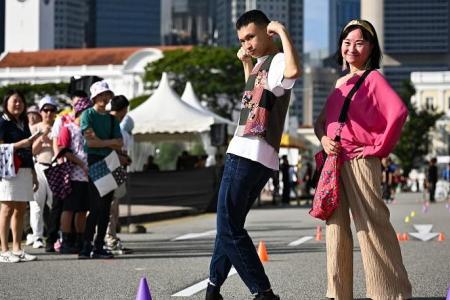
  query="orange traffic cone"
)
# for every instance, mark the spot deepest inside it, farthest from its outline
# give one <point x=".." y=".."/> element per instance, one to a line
<point x="441" y="237"/>
<point x="319" y="233"/>
<point x="405" y="237"/>
<point x="399" y="236"/>
<point x="262" y="252"/>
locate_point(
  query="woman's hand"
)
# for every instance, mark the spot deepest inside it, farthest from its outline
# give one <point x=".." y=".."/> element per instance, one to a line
<point x="330" y="146"/>
<point x="359" y="152"/>
<point x="35" y="182"/>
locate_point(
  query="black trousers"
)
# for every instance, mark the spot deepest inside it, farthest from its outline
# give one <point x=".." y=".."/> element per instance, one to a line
<point x="54" y="220"/>
<point x="432" y="190"/>
<point x="99" y="208"/>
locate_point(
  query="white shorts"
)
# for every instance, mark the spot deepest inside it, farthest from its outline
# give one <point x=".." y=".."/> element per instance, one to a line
<point x="19" y="188"/>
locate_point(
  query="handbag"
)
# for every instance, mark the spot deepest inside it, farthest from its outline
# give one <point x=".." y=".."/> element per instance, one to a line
<point x="58" y="176"/>
<point x="107" y="174"/>
<point x="326" y="197"/>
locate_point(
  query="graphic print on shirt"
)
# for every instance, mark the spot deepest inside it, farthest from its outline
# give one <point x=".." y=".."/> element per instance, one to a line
<point x="256" y="106"/>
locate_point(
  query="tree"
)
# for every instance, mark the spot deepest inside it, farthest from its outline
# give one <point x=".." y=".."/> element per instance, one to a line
<point x="215" y="73"/>
<point x="414" y="141"/>
<point x="36" y="91"/>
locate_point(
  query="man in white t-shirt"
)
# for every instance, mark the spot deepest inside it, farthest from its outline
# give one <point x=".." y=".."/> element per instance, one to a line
<point x="252" y="155"/>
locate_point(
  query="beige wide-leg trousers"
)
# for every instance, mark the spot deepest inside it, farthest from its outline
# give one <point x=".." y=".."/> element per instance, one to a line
<point x="386" y="277"/>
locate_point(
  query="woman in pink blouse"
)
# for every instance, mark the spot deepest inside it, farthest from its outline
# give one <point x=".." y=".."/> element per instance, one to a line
<point x="374" y="121"/>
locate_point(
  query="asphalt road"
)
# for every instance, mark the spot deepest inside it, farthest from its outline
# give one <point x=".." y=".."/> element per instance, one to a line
<point x="170" y="266"/>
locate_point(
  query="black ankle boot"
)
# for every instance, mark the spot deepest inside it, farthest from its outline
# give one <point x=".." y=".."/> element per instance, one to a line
<point x="67" y="245"/>
<point x="85" y="250"/>
<point x="79" y="241"/>
<point x="213" y="293"/>
<point x="269" y="295"/>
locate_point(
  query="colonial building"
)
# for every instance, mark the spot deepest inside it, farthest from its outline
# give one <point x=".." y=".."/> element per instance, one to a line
<point x="433" y="93"/>
<point x="123" y="68"/>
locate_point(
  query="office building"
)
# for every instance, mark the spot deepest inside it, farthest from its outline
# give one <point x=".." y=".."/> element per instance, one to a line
<point x="188" y="22"/>
<point x="115" y="23"/>
<point x="29" y="25"/>
<point x="340" y="13"/>
<point x="71" y="17"/>
<point x="414" y="35"/>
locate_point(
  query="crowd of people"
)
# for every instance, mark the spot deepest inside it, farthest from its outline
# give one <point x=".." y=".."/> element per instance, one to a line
<point x="33" y="141"/>
<point x="371" y="127"/>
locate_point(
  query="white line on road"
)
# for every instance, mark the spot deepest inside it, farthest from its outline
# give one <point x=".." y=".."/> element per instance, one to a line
<point x="194" y="235"/>
<point x="300" y="241"/>
<point x="187" y="292"/>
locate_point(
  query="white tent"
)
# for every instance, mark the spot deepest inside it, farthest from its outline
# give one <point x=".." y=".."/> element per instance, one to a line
<point x="165" y="114"/>
<point x="165" y="117"/>
<point x="190" y="98"/>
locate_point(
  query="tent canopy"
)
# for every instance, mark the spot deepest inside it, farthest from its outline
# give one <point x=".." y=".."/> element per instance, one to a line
<point x="165" y="114"/>
<point x="190" y="98"/>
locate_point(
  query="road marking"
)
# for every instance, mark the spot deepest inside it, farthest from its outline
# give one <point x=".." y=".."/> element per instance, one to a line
<point x="300" y="241"/>
<point x="424" y="232"/>
<point x="194" y="235"/>
<point x="194" y="289"/>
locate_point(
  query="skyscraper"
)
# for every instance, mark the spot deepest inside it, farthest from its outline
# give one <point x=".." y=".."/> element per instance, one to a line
<point x="288" y="12"/>
<point x="29" y="25"/>
<point x="2" y="26"/>
<point x="415" y="35"/>
<point x="340" y="13"/>
<point x="71" y="17"/>
<point x="188" y="22"/>
<point x="227" y="13"/>
<point x="115" y="23"/>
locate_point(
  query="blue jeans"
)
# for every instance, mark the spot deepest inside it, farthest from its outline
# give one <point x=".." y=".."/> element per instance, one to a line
<point x="242" y="182"/>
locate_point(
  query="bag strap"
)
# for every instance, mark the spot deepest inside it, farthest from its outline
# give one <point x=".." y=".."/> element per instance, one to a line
<point x="344" y="110"/>
<point x="61" y="153"/>
<point x="343" y="115"/>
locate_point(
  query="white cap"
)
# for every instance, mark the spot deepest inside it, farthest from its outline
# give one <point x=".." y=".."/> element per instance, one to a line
<point x="47" y="100"/>
<point x="98" y="88"/>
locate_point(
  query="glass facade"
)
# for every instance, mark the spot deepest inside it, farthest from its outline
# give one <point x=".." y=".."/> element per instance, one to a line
<point x="71" y="17"/>
<point x="116" y="23"/>
<point x="340" y="13"/>
<point x="416" y="26"/>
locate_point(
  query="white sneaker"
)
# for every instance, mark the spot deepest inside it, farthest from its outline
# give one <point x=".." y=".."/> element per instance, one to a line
<point x="8" y="257"/>
<point x="38" y="244"/>
<point x="30" y="239"/>
<point x="22" y="256"/>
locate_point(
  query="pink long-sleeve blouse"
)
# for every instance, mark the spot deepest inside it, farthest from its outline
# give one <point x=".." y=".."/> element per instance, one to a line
<point x="374" y="120"/>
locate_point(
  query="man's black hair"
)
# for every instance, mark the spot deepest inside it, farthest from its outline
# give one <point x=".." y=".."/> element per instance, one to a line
<point x="79" y="94"/>
<point x="252" y="16"/>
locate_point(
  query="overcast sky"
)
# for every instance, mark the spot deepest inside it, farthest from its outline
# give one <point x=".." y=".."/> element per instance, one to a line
<point x="316" y="25"/>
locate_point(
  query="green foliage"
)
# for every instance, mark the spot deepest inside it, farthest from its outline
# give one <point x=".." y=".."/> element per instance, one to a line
<point x="36" y="91"/>
<point x="197" y="149"/>
<point x="167" y="155"/>
<point x="135" y="102"/>
<point x="414" y="141"/>
<point x="215" y="73"/>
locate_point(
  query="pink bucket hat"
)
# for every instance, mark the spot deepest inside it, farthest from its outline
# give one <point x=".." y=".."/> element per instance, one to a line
<point x="99" y="87"/>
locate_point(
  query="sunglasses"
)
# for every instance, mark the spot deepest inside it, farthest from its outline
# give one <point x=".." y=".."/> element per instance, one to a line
<point x="49" y="110"/>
